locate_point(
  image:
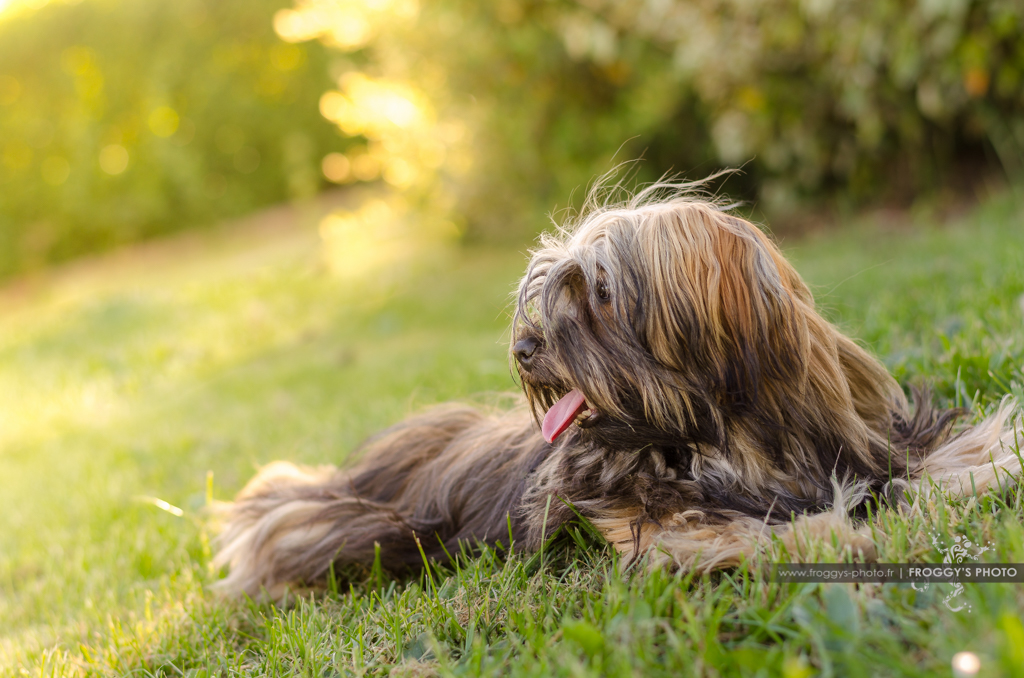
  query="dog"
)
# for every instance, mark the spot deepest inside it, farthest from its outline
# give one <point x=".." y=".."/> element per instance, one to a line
<point x="681" y="393"/>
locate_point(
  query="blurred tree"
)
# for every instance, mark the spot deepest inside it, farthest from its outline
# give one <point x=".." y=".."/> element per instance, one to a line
<point x="125" y="118"/>
<point x="489" y="110"/>
<point x="867" y="97"/>
<point x="122" y="119"/>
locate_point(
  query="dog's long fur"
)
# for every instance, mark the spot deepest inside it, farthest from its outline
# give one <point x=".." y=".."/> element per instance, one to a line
<point x="722" y="405"/>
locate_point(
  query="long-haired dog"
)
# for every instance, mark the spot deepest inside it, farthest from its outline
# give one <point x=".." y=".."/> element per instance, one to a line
<point x="682" y="394"/>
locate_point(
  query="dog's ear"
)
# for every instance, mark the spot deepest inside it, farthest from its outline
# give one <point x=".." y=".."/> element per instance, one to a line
<point x="726" y="308"/>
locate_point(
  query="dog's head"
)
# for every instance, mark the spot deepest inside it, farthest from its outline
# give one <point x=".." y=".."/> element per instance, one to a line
<point x="659" y="320"/>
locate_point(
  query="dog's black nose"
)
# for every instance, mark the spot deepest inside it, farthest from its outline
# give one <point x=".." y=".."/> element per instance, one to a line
<point x="525" y="349"/>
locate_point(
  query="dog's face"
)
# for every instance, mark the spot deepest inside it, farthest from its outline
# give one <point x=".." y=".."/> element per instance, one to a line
<point x="655" y="323"/>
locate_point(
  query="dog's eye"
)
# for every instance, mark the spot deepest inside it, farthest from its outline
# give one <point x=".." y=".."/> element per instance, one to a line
<point x="602" y="291"/>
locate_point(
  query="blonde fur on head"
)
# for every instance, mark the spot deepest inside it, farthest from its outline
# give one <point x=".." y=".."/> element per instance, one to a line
<point x="696" y="401"/>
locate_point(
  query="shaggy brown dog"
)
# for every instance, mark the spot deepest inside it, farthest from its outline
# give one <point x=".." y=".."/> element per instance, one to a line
<point x="690" y="402"/>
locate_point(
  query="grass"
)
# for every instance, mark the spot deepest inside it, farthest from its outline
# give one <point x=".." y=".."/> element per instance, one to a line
<point x="134" y="389"/>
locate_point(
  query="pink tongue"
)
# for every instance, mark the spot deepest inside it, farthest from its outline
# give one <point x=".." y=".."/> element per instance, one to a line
<point x="562" y="414"/>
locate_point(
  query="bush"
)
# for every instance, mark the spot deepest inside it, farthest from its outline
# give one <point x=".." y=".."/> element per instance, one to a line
<point x="513" y="103"/>
<point x="847" y="94"/>
<point x="123" y="119"/>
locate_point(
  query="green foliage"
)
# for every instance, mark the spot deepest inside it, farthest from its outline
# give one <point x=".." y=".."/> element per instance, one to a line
<point x="847" y="93"/>
<point x="879" y="99"/>
<point x="122" y="119"/>
<point x="487" y="113"/>
<point x="510" y="122"/>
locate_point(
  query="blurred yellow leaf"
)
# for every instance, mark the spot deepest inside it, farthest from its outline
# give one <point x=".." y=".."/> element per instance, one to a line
<point x="114" y="159"/>
<point x="163" y="121"/>
<point x="336" y="167"/>
<point x="976" y="82"/>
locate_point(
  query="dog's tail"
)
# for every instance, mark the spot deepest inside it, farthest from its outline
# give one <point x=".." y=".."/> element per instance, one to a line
<point x="451" y="476"/>
<point x="290" y="524"/>
<point x="984" y="457"/>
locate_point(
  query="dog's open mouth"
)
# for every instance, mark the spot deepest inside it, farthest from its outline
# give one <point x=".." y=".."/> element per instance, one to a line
<point x="571" y="408"/>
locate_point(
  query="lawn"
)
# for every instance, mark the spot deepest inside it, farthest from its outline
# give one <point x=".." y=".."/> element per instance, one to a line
<point x="135" y="389"/>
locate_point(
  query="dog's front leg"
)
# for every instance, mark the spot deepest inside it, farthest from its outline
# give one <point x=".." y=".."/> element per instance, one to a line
<point x="693" y="540"/>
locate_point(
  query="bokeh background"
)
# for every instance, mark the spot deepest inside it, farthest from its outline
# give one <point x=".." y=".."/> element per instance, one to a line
<point x="126" y="119"/>
<point x="233" y="231"/>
